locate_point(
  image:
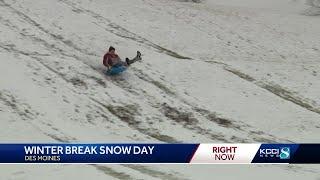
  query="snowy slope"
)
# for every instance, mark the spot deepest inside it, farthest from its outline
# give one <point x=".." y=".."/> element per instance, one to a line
<point x="214" y="71"/>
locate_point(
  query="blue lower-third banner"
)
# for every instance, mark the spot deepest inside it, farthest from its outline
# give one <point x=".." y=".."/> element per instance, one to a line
<point x="161" y="153"/>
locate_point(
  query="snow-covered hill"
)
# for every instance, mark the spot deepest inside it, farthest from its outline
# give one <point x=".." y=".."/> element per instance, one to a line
<point x="212" y="71"/>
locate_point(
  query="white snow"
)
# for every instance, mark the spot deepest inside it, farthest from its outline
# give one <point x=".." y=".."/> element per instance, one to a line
<point x="253" y="63"/>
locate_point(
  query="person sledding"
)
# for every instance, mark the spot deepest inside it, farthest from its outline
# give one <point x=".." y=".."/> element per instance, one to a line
<point x="114" y="64"/>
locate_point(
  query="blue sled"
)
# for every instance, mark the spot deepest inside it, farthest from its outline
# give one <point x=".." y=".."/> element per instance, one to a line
<point x="116" y="70"/>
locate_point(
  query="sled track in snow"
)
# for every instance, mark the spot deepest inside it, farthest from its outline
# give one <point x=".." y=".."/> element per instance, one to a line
<point x="278" y="91"/>
<point x="187" y="118"/>
<point x="21" y="109"/>
<point x="127" y="114"/>
<point x="120" y="31"/>
<point x="29" y="115"/>
<point x="175" y="114"/>
<point x="52" y="35"/>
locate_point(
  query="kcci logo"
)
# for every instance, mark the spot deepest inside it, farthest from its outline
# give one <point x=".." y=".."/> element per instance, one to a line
<point x="285" y="153"/>
<point x="282" y="153"/>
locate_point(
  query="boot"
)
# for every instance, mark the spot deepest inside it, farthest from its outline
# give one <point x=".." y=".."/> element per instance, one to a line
<point x="128" y="61"/>
<point x="139" y="55"/>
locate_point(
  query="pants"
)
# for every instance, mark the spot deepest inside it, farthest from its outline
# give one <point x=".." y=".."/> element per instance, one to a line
<point x="133" y="60"/>
<point x="128" y="61"/>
